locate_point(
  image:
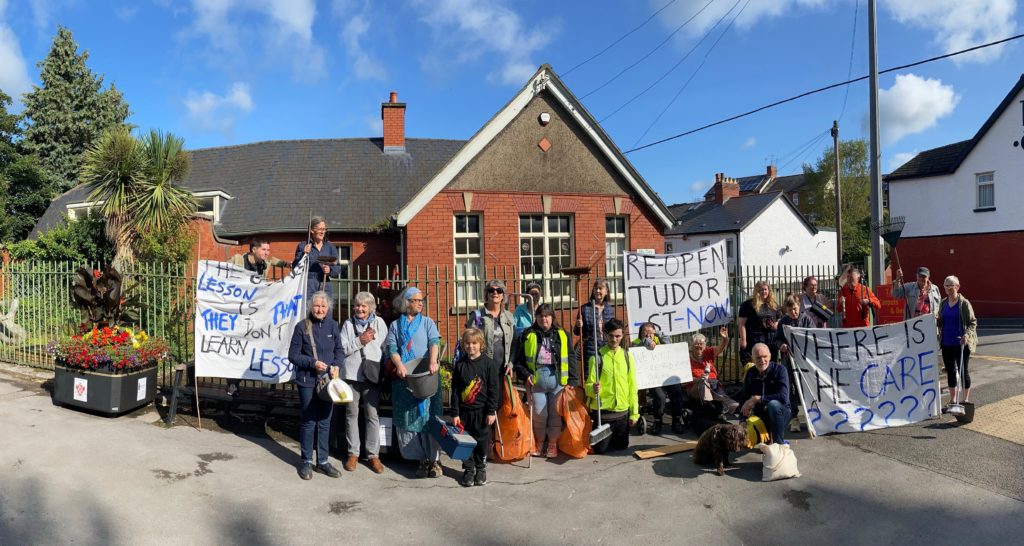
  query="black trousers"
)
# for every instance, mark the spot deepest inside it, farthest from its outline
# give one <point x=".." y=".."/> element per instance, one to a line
<point x="475" y="423"/>
<point x="619" y="424"/>
<point x="675" y="397"/>
<point x="951" y="358"/>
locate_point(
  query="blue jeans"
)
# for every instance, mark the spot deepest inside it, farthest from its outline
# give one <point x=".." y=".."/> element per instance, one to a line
<point x="546" y="420"/>
<point x="776" y="416"/>
<point x="315" y="415"/>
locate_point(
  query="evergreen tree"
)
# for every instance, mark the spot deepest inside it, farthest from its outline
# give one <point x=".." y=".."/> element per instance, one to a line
<point x="24" y="191"/>
<point x="69" y="112"/>
<point x="819" y="194"/>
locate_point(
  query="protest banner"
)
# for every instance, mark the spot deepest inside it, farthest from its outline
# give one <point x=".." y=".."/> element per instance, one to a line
<point x="857" y="379"/>
<point x="679" y="292"/>
<point x="666" y="364"/>
<point x="244" y="324"/>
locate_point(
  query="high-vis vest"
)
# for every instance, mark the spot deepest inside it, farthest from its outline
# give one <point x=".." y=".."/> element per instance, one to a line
<point x="531" y="348"/>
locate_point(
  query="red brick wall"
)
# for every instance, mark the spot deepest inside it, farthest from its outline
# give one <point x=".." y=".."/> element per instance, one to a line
<point x="985" y="263"/>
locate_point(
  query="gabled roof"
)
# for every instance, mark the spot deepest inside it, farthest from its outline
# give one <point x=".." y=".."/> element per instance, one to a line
<point x="947" y="159"/>
<point x="787" y="184"/>
<point x="748" y="184"/>
<point x="274" y="185"/>
<point x="544" y="80"/>
<point x="733" y="216"/>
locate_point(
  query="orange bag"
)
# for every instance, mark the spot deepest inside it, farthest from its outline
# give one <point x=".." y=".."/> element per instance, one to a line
<point x="513" y="440"/>
<point x="575" y="438"/>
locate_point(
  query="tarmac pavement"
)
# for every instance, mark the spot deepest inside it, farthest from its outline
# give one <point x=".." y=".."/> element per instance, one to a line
<point x="74" y="478"/>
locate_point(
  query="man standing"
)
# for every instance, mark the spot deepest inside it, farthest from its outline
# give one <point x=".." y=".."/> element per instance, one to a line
<point x="922" y="297"/>
<point x="766" y="393"/>
<point x="258" y="258"/>
<point x="856" y="300"/>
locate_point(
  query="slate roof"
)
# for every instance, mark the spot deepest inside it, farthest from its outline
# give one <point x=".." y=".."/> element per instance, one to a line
<point x="735" y="215"/>
<point x="275" y="184"/>
<point x="787" y="184"/>
<point x="947" y="159"/>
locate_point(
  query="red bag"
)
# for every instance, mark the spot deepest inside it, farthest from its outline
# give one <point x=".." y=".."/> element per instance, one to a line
<point x="513" y="440"/>
<point x="575" y="438"/>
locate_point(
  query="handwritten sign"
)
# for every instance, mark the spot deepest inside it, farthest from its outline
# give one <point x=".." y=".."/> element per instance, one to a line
<point x="664" y="365"/>
<point x="244" y="324"/>
<point x="868" y="378"/>
<point x="678" y="292"/>
<point x="892" y="307"/>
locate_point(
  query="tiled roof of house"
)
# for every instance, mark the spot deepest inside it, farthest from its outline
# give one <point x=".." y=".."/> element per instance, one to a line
<point x="274" y="185"/>
<point x="787" y="184"/>
<point x="732" y="216"/>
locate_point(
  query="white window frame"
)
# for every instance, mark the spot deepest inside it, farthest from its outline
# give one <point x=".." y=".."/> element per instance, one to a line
<point x="548" y="278"/>
<point x="668" y="247"/>
<point x="981" y="180"/>
<point x="613" y="260"/>
<point x="77" y="210"/>
<point x="347" y="263"/>
<point x="468" y="288"/>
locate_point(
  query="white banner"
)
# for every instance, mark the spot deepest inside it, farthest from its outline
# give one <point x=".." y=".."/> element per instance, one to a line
<point x="666" y="364"/>
<point x="678" y="292"/>
<point x="245" y="324"/>
<point x="868" y="378"/>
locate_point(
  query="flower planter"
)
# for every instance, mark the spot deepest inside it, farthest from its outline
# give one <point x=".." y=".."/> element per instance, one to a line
<point x="104" y="392"/>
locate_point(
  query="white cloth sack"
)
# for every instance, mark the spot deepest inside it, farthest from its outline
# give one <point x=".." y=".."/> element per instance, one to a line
<point x="779" y="462"/>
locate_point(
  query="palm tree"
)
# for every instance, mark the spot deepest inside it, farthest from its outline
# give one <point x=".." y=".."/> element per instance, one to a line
<point x="137" y="182"/>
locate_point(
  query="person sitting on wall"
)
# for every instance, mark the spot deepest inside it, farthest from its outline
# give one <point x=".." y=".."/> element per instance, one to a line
<point x="855" y="300"/>
<point x="922" y="297"/>
<point x="765" y="393"/>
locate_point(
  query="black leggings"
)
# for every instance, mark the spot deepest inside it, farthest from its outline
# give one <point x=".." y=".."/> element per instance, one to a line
<point x="951" y="357"/>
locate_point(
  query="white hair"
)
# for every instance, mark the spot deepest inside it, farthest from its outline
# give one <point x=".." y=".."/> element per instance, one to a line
<point x="699" y="338"/>
<point x="951" y="279"/>
<point x="321" y="295"/>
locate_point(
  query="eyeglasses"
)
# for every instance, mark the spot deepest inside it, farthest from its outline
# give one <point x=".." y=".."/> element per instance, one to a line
<point x="416" y="300"/>
<point x="320" y="230"/>
<point x="495" y="291"/>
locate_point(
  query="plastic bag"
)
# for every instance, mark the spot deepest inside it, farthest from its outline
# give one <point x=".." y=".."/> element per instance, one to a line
<point x="575" y="438"/>
<point x="514" y="438"/>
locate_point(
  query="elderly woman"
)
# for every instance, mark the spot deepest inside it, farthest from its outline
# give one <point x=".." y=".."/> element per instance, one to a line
<point x="362" y="337"/>
<point x="958" y="337"/>
<point x="323" y="258"/>
<point x="922" y="297"/>
<point x="810" y="296"/>
<point x="315" y="350"/>
<point x="413" y="335"/>
<point x="702" y="365"/>
<point x="757" y="319"/>
<point x="497" y="325"/>
<point x="599" y="310"/>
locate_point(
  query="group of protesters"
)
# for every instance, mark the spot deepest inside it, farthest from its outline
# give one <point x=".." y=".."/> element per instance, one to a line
<point x="528" y="344"/>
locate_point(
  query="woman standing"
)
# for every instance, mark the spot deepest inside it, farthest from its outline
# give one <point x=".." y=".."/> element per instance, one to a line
<point x="547" y="365"/>
<point x="362" y="337"/>
<point x="757" y="318"/>
<point x="413" y="335"/>
<point x="524" y="313"/>
<point x="497" y="324"/>
<point x="958" y="335"/>
<point x="319" y="247"/>
<point x="808" y="298"/>
<point x="315" y="350"/>
<point x="598" y="310"/>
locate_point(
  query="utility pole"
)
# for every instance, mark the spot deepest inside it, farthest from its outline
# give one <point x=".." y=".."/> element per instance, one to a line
<point x="839" y="201"/>
<point x="877" y="260"/>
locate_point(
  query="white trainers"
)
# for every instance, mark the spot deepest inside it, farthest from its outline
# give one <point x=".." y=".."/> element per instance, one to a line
<point x="794" y="425"/>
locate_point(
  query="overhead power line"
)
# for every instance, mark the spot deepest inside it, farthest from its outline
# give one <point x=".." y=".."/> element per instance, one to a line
<point x="849" y="68"/>
<point x="821" y="89"/>
<point x="621" y="38"/>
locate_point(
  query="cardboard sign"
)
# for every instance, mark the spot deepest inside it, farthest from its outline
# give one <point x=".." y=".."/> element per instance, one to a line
<point x="857" y="379"/>
<point x="892" y="307"/>
<point x="679" y="292"/>
<point x="244" y="325"/>
<point x="666" y="364"/>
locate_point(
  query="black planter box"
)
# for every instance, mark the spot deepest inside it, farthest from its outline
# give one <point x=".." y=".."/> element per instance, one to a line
<point x="103" y="392"/>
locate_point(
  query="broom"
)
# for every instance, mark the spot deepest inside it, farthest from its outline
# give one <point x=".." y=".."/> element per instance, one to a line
<point x="603" y="431"/>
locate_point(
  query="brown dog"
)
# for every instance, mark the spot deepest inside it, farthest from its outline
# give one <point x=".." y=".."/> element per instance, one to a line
<point x="717" y="442"/>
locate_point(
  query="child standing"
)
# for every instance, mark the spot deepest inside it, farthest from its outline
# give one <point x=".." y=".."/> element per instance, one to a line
<point x="791" y="317"/>
<point x="475" y="383"/>
<point x="612" y="376"/>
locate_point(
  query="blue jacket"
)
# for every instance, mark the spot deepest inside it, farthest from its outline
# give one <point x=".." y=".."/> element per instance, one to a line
<point x="773" y="386"/>
<point x="315" y="273"/>
<point x="328" y="348"/>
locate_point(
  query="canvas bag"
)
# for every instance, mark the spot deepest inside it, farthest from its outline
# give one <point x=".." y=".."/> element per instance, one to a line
<point x="779" y="462"/>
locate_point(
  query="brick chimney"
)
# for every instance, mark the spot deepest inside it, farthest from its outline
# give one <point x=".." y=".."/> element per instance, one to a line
<point x="393" y="114"/>
<point x="725" y="188"/>
<point x="772" y="171"/>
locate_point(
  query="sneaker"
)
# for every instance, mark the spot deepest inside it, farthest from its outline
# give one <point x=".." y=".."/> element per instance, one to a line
<point x="434" y="470"/>
<point x="375" y="465"/>
<point x="536" y="448"/>
<point x="656" y="429"/>
<point x="552" y="451"/>
<point x="794" y="425"/>
<point x="306" y="471"/>
<point x="481" y="477"/>
<point x="233" y="389"/>
<point x="468" y="477"/>
<point x="350" y="463"/>
<point x="328" y="470"/>
<point x="422" y="469"/>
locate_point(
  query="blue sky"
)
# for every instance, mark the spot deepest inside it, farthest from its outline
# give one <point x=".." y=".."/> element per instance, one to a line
<point x="221" y="72"/>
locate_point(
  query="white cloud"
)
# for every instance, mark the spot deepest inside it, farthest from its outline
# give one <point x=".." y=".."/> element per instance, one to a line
<point x="286" y="31"/>
<point x="126" y="13"/>
<point x="208" y="111"/>
<point x="912" y="105"/>
<point x="14" y="79"/>
<point x="699" y="188"/>
<point x="755" y="12"/>
<point x="466" y="30"/>
<point x="749" y="143"/>
<point x="356" y="24"/>
<point x="898" y="159"/>
<point x="959" y="24"/>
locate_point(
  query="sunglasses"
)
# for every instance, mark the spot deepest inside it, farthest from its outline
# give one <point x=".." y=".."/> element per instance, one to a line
<point x="495" y="291"/>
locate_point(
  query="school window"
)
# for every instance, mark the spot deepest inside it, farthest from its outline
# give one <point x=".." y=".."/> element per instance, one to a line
<point x="615" y="243"/>
<point x="728" y="248"/>
<point x="545" y="247"/>
<point x="668" y="247"/>
<point x="468" y="260"/>
<point x="986" y="190"/>
<point x="345" y="260"/>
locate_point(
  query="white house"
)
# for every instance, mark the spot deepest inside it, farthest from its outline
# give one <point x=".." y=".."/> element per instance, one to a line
<point x="759" y="229"/>
<point x="962" y="207"/>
